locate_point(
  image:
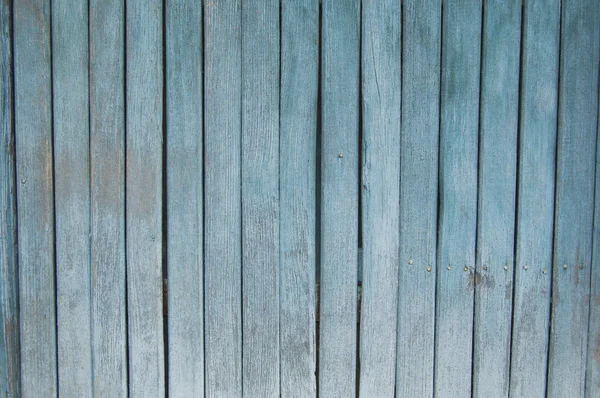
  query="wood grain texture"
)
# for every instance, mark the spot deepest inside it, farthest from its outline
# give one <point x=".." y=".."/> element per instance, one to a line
<point x="574" y="213"/>
<point x="144" y="122"/>
<point x="457" y="220"/>
<point x="9" y="315"/>
<point x="499" y="108"/>
<point x="70" y="95"/>
<point x="380" y="196"/>
<point x="339" y="197"/>
<point x="260" y="198"/>
<point x="418" y="196"/>
<point x="35" y="204"/>
<point x="107" y="161"/>
<point x="298" y="135"/>
<point x="184" y="198"/>
<point x="222" y="210"/>
<point x="537" y="160"/>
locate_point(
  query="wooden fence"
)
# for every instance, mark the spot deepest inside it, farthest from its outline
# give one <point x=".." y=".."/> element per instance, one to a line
<point x="186" y="190"/>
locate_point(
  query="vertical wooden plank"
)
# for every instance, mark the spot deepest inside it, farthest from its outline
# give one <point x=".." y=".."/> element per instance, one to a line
<point x="418" y="196"/>
<point x="260" y="197"/>
<point x="499" y="108"/>
<point x="457" y="221"/>
<point x="222" y="210"/>
<point x="9" y="315"/>
<point x="184" y="197"/>
<point x="107" y="160"/>
<point x="35" y="204"/>
<point x="339" y="198"/>
<point x="577" y="128"/>
<point x="144" y="119"/>
<point x="537" y="160"/>
<point x="380" y="196"/>
<point x="72" y="195"/>
<point x="298" y="101"/>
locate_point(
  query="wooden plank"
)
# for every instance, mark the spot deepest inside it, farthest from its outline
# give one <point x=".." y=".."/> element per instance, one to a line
<point x="107" y="157"/>
<point x="144" y="119"/>
<point x="260" y="198"/>
<point x="577" y="128"/>
<point x="72" y="195"/>
<point x="35" y="204"/>
<point x="499" y="111"/>
<point x="537" y="160"/>
<point x="184" y="197"/>
<point x="222" y="210"/>
<point x="457" y="225"/>
<point x="298" y="120"/>
<point x="9" y="315"/>
<point x="380" y="196"/>
<point x="592" y="377"/>
<point x="339" y="197"/>
<point x="418" y="196"/>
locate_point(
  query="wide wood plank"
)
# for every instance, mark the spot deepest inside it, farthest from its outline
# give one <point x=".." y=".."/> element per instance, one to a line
<point x="35" y="204"/>
<point x="9" y="316"/>
<point x="184" y="197"/>
<point x="72" y="195"/>
<point x="380" y="196"/>
<point x="107" y="160"/>
<point x="339" y="197"/>
<point x="537" y="158"/>
<point x="144" y="122"/>
<point x="418" y="196"/>
<point x="222" y="209"/>
<point x="496" y="202"/>
<point x="576" y="152"/>
<point x="298" y="121"/>
<point x="260" y="197"/>
<point x="459" y="137"/>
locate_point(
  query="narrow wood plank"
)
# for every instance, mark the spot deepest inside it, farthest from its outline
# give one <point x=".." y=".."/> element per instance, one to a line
<point x="9" y="315"/>
<point x="144" y="119"/>
<point x="496" y="203"/>
<point x="260" y="197"/>
<point x="592" y="377"/>
<point x="222" y="210"/>
<point x="380" y="196"/>
<point x="340" y="58"/>
<point x="298" y="121"/>
<point x="35" y="204"/>
<point x="457" y="225"/>
<point x="72" y="195"/>
<point x="184" y="197"/>
<point x="107" y="158"/>
<point x="537" y="160"/>
<point x="418" y="196"/>
<point x="577" y="128"/>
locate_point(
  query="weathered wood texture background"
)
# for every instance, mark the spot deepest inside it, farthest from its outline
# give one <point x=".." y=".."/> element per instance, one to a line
<point x="299" y="198"/>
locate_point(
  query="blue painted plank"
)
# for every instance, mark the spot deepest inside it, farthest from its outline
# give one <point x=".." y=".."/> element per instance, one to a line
<point x="107" y="179"/>
<point x="459" y="137"/>
<point x="184" y="197"/>
<point x="340" y="57"/>
<point x="418" y="196"/>
<point x="222" y="209"/>
<point x="380" y="196"/>
<point x="576" y="152"/>
<point x="537" y="158"/>
<point x="72" y="195"/>
<point x="260" y="197"/>
<point x="144" y="136"/>
<point x="35" y="204"/>
<point x="9" y="315"/>
<point x="298" y="135"/>
<point x="496" y="202"/>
